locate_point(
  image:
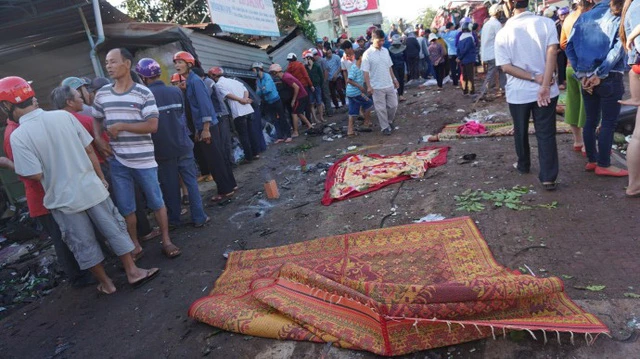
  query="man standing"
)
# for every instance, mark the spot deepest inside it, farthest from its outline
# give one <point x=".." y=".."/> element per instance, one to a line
<point x="449" y="36"/>
<point x="266" y="88"/>
<point x="53" y="148"/>
<point x="413" y="55"/>
<point x="526" y="49"/>
<point x="487" y="52"/>
<point x="129" y="113"/>
<point x="335" y="88"/>
<point x="318" y="58"/>
<point x="80" y="85"/>
<point x="381" y="81"/>
<point x="299" y="99"/>
<point x="172" y="146"/>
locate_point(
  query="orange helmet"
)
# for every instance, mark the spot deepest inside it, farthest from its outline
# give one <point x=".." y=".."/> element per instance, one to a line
<point x="215" y="71"/>
<point x="15" y="90"/>
<point x="306" y="54"/>
<point x="176" y="78"/>
<point x="184" y="56"/>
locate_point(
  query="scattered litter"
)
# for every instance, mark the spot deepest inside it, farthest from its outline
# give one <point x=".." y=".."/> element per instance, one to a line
<point x="460" y="110"/>
<point x="327" y="139"/>
<point x="432" y="217"/>
<point x="205" y="288"/>
<point x="634" y="323"/>
<point x="466" y="158"/>
<point x="485" y="116"/>
<point x="238" y="153"/>
<point x="429" y="83"/>
<point x="61" y="347"/>
<point x="564" y="276"/>
<point x="628" y="295"/>
<point x="227" y="252"/>
<point x="328" y="156"/>
<point x="371" y="216"/>
<point x="592" y="288"/>
<point x="351" y="148"/>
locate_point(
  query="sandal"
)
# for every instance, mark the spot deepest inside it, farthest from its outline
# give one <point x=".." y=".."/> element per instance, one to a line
<point x="137" y="256"/>
<point x="222" y="197"/>
<point x="199" y="225"/>
<point x="354" y="134"/>
<point x="151" y="273"/>
<point x="171" y="251"/>
<point x="154" y="233"/>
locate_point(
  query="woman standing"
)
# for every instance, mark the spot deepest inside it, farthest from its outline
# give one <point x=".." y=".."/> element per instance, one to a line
<point x="398" y="53"/>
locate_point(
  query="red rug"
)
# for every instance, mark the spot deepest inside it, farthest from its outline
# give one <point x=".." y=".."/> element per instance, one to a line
<point x="356" y="175"/>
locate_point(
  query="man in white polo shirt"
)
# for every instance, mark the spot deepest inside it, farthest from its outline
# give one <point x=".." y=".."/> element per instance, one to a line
<point x="381" y="82"/>
<point x="526" y="49"/>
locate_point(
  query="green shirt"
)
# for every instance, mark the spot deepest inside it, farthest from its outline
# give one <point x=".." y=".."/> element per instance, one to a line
<point x="315" y="73"/>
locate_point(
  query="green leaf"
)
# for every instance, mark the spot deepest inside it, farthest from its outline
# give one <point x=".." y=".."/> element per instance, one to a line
<point x="498" y="204"/>
<point x="511" y="205"/>
<point x="565" y="276"/>
<point x="632" y="295"/>
<point x="595" y="288"/>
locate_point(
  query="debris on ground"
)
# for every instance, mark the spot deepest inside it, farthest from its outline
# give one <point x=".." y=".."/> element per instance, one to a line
<point x="431" y="217"/>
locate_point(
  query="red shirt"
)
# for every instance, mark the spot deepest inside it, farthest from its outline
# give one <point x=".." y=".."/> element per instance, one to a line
<point x="87" y="123"/>
<point x="33" y="189"/>
<point x="289" y="80"/>
<point x="298" y="71"/>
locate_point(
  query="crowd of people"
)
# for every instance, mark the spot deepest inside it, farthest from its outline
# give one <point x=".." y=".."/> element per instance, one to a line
<point x="115" y="148"/>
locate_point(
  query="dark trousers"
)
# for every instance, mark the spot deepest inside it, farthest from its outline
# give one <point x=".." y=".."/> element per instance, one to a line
<point x="468" y="74"/>
<point x="220" y="168"/>
<point x="426" y="68"/>
<point x="544" y="121"/>
<point x="326" y="98"/>
<point x="453" y="68"/>
<point x="66" y="260"/>
<point x="561" y="59"/>
<point x="603" y="102"/>
<point x="200" y="159"/>
<point x="276" y="112"/>
<point x="169" y="173"/>
<point x="241" y="124"/>
<point x="256" y="138"/>
<point x="398" y="71"/>
<point x="337" y="93"/>
<point x="413" y="65"/>
<point x="439" y="70"/>
<point x="224" y="124"/>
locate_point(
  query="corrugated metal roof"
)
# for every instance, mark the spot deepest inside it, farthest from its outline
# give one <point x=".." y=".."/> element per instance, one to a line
<point x="34" y="26"/>
<point x="235" y="58"/>
<point x="296" y="45"/>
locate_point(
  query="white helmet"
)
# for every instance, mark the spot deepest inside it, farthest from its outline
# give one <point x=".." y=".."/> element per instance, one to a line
<point x="292" y="57"/>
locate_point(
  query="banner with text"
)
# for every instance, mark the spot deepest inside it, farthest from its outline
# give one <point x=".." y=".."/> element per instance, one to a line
<point x="252" y="17"/>
<point x="354" y="7"/>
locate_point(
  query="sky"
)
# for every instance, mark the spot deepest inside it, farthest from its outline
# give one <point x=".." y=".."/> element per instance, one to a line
<point x="393" y="9"/>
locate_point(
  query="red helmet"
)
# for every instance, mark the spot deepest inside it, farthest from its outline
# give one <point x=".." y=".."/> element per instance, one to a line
<point x="371" y="29"/>
<point x="15" y="90"/>
<point x="184" y="56"/>
<point x="176" y="78"/>
<point x="215" y="71"/>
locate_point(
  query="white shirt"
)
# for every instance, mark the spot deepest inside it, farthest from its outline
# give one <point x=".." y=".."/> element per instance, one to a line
<point x="377" y="63"/>
<point x="228" y="86"/>
<point x="523" y="43"/>
<point x="488" y="38"/>
<point x="53" y="143"/>
<point x="345" y="63"/>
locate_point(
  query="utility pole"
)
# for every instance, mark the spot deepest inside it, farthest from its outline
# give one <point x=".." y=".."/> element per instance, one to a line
<point x="333" y="24"/>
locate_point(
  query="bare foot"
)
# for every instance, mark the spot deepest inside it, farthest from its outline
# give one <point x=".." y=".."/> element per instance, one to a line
<point x="295" y="134"/>
<point x="630" y="102"/>
<point x="106" y="288"/>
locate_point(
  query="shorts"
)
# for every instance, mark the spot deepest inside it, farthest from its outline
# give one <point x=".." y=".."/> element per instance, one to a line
<point x="122" y="180"/>
<point x="358" y="102"/>
<point x="78" y="232"/>
<point x="315" y="97"/>
<point x="301" y="105"/>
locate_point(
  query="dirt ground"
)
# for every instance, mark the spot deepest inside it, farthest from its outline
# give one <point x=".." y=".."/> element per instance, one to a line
<point x="591" y="238"/>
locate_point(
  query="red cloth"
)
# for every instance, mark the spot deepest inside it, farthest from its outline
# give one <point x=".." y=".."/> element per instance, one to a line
<point x="33" y="189"/>
<point x="87" y="123"/>
<point x="472" y="128"/>
<point x="298" y="71"/>
<point x="289" y="80"/>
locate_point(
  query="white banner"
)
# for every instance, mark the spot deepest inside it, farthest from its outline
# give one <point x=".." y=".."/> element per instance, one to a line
<point x="252" y="17"/>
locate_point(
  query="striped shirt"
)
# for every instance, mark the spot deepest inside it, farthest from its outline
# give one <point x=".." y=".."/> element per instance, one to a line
<point x="133" y="150"/>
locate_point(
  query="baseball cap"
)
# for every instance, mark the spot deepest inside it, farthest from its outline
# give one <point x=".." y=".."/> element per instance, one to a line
<point x="291" y="57"/>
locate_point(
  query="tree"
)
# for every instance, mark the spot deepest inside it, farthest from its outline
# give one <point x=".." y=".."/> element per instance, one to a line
<point x="288" y="12"/>
<point x="426" y="18"/>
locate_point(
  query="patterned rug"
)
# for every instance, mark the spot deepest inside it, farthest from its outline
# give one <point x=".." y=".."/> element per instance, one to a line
<point x="356" y="175"/>
<point x="449" y="132"/>
<point x="389" y="291"/>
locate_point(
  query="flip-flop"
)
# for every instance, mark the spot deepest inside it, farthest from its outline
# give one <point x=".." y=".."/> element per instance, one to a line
<point x="102" y="291"/>
<point x="137" y="256"/>
<point x="151" y="273"/>
<point x="222" y="197"/>
<point x="183" y="211"/>
<point x="171" y="251"/>
<point x="637" y="195"/>
<point x="154" y="234"/>
<point x="198" y="225"/>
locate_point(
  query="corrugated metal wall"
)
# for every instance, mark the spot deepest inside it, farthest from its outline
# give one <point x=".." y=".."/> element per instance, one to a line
<point x="297" y="45"/>
<point x="48" y="69"/>
<point x="236" y="59"/>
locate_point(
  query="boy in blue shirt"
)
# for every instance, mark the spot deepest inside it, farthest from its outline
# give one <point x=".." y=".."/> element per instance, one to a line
<point x="357" y="94"/>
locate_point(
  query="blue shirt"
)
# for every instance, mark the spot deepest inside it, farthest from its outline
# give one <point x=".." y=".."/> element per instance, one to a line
<point x="631" y="20"/>
<point x="594" y="46"/>
<point x="172" y="138"/>
<point x="450" y="38"/>
<point x="333" y="64"/>
<point x="466" y="49"/>
<point x="201" y="106"/>
<point x="356" y="75"/>
<point x="266" y="88"/>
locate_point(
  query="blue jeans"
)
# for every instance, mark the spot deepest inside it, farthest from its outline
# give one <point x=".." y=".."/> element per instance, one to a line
<point x="603" y="100"/>
<point x="123" y="178"/>
<point x="544" y="122"/>
<point x="168" y="171"/>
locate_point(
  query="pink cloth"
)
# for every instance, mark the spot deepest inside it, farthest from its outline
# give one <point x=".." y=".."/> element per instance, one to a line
<point x="472" y="128"/>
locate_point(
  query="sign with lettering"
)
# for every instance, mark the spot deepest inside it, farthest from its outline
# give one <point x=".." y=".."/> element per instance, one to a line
<point x="252" y="17"/>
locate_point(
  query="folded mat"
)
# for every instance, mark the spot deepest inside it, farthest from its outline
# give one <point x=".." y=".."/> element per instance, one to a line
<point x="390" y="291"/>
<point x="449" y="132"/>
<point x="356" y="175"/>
